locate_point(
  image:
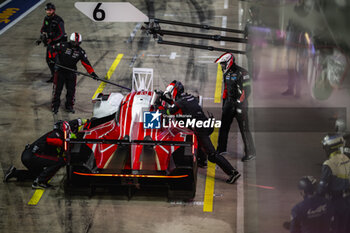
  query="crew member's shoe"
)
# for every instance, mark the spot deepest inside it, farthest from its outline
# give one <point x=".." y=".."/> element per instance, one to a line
<point x="223" y="153"/>
<point x="9" y="173"/>
<point x="50" y="80"/>
<point x="40" y="185"/>
<point x="248" y="157"/>
<point x="232" y="179"/>
<point x="202" y="163"/>
<point x="55" y="110"/>
<point x="70" y="109"/>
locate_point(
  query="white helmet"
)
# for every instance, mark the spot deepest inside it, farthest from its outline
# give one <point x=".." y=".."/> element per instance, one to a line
<point x="76" y="37"/>
<point x="226" y="60"/>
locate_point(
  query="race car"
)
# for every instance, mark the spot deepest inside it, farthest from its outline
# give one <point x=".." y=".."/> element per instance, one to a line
<point x="116" y="148"/>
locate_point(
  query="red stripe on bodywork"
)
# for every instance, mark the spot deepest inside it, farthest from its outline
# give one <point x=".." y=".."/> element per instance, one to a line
<point x="47" y="157"/>
<point x="54" y="142"/>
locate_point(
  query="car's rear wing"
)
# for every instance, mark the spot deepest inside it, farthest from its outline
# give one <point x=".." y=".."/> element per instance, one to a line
<point x="128" y="142"/>
<point x="69" y="141"/>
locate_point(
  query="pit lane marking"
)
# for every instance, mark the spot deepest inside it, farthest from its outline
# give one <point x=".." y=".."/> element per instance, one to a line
<point x="190" y="203"/>
<point x="36" y="197"/>
<point x="34" y="200"/>
<point x="109" y="74"/>
<point x="210" y="179"/>
<point x="218" y="87"/>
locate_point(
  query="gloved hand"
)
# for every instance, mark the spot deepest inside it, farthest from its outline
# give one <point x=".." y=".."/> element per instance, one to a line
<point x="242" y="98"/>
<point x="38" y="42"/>
<point x="163" y="96"/>
<point x="94" y="75"/>
<point x="159" y="92"/>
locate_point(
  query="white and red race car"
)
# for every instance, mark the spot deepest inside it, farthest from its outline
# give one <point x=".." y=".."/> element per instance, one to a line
<point x="115" y="148"/>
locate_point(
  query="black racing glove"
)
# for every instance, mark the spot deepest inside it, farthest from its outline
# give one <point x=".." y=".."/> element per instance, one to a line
<point x="159" y="92"/>
<point x="38" y="42"/>
<point x="94" y="76"/>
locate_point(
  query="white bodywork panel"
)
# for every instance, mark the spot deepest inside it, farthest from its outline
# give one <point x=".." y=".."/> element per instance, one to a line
<point x="107" y="107"/>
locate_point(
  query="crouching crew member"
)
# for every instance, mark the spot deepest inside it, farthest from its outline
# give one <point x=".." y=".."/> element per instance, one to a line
<point x="69" y="53"/>
<point x="44" y="157"/>
<point x="187" y="104"/>
<point x="313" y="214"/>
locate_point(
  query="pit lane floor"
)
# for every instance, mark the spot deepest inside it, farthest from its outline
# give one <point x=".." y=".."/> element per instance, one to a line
<point x="259" y="202"/>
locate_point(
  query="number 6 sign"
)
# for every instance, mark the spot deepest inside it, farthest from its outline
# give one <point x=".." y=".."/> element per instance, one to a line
<point x="111" y="11"/>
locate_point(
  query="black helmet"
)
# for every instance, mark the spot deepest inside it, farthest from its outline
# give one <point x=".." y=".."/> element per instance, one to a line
<point x="174" y="89"/>
<point x="50" y="6"/>
<point x="332" y="143"/>
<point x="307" y="184"/>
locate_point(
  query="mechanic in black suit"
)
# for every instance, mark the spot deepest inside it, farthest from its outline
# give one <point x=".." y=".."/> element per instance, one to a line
<point x="52" y="32"/>
<point x="44" y="157"/>
<point x="68" y="55"/>
<point x="186" y="104"/>
<point x="235" y="104"/>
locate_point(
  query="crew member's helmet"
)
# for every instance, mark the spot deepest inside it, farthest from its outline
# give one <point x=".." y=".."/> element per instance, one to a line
<point x="226" y="60"/>
<point x="307" y="184"/>
<point x="174" y="89"/>
<point x="75" y="38"/>
<point x="50" y="6"/>
<point x="332" y="143"/>
<point x="62" y="126"/>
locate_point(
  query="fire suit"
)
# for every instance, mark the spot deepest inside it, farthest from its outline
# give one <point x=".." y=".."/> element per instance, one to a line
<point x="312" y="215"/>
<point x="235" y="105"/>
<point x="68" y="56"/>
<point x="43" y="158"/>
<point x="188" y="105"/>
<point x="335" y="181"/>
<point x="52" y="32"/>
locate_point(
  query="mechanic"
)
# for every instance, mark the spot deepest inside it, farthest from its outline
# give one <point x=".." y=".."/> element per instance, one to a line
<point x="313" y="214"/>
<point x="68" y="55"/>
<point x="187" y="104"/>
<point x="254" y="41"/>
<point x="44" y="157"/>
<point x="52" y="32"/>
<point x="293" y="37"/>
<point x="335" y="181"/>
<point x="235" y="104"/>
